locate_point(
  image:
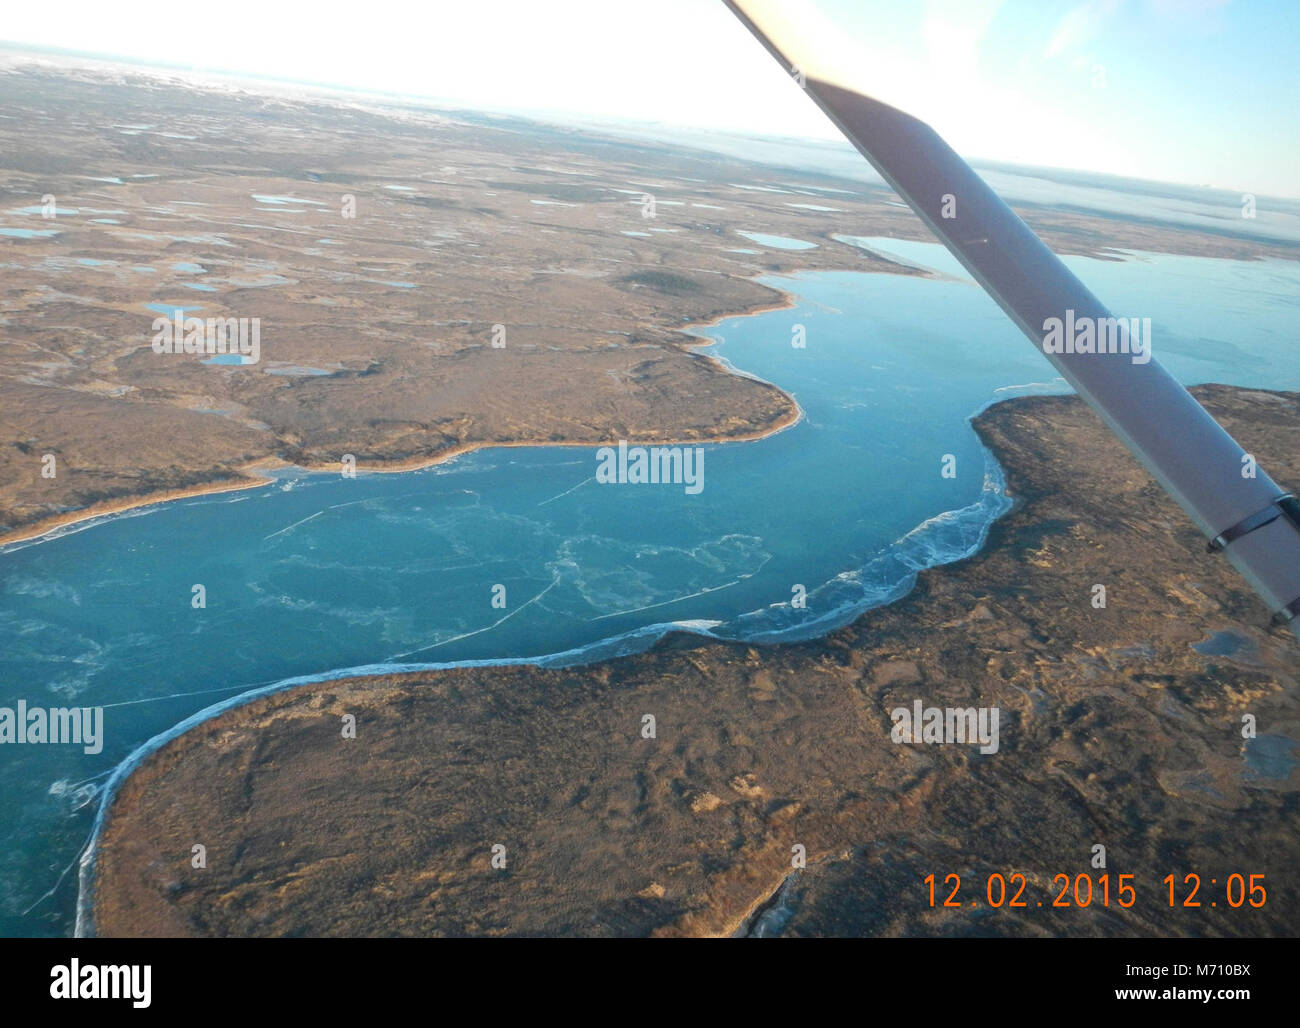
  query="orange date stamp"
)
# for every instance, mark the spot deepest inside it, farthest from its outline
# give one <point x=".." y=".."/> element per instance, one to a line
<point x="1014" y="890"/>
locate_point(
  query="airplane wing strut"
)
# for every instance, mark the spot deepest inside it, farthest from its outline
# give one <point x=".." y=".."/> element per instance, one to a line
<point x="1242" y="511"/>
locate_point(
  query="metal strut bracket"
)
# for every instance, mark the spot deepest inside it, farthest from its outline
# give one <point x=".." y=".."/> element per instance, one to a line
<point x="1284" y="506"/>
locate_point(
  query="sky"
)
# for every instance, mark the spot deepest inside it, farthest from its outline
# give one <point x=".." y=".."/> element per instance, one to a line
<point x="1202" y="92"/>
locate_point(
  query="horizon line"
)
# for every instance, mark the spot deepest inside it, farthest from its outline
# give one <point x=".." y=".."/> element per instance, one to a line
<point x="540" y="115"/>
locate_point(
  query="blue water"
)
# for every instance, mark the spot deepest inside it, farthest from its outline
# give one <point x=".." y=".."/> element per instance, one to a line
<point x="318" y="573"/>
<point x="1223" y="644"/>
<point x="228" y="358"/>
<point x="170" y="310"/>
<point x="778" y="242"/>
<point x="297" y="371"/>
<point x="1271" y="756"/>
<point x="291" y="200"/>
<point x="60" y="212"/>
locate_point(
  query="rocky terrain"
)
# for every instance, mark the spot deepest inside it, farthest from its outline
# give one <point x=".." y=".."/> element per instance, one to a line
<point x="1121" y="726"/>
<point x="384" y="249"/>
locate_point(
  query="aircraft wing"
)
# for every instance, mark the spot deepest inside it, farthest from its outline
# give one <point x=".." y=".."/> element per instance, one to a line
<point x="1244" y="515"/>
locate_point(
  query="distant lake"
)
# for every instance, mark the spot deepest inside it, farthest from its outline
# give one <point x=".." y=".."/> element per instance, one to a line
<point x="170" y="310"/>
<point x="319" y="574"/>
<point x="777" y="242"/>
<point x="228" y="358"/>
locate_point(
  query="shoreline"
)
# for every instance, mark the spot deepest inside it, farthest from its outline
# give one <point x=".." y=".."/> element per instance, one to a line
<point x="37" y="531"/>
<point x="995" y="579"/>
<point x="139" y="758"/>
<point x="249" y="477"/>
